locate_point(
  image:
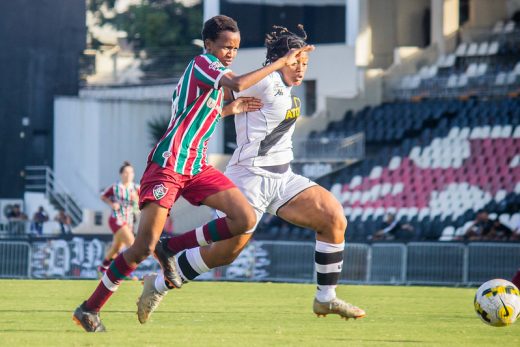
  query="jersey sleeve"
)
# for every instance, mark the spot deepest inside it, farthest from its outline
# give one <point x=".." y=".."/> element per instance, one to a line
<point x="208" y="70"/>
<point x="256" y="90"/>
<point x="108" y="193"/>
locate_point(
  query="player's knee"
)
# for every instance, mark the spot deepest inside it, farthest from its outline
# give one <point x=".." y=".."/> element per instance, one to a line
<point x="139" y="253"/>
<point x="247" y="219"/>
<point x="336" y="225"/>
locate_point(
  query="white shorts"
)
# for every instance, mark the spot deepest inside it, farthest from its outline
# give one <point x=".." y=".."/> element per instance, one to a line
<point x="266" y="191"/>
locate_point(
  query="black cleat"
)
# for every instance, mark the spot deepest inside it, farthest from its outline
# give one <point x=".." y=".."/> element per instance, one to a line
<point x="166" y="259"/>
<point x="89" y="321"/>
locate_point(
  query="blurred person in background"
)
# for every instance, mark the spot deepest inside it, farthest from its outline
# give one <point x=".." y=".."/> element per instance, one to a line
<point x="480" y="228"/>
<point x="41" y="216"/>
<point x="122" y="197"/>
<point x="393" y="230"/>
<point x="65" y="222"/>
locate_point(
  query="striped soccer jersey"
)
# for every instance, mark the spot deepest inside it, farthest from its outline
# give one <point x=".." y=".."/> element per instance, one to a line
<point x="126" y="197"/>
<point x="264" y="137"/>
<point x="196" y="107"/>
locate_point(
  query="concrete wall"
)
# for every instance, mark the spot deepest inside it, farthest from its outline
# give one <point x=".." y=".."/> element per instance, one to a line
<point x="485" y="13"/>
<point x="93" y="138"/>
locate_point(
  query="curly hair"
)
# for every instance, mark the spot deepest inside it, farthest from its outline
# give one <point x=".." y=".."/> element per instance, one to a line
<point x="281" y="40"/>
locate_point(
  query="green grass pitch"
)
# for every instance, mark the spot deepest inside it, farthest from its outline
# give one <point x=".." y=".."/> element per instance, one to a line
<point x="38" y="313"/>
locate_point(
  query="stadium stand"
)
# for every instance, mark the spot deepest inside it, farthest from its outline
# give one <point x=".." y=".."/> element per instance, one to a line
<point x="438" y="153"/>
<point x="471" y="69"/>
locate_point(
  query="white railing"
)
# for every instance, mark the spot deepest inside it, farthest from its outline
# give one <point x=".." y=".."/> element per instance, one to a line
<point x="42" y="179"/>
<point x="325" y="149"/>
<point x="429" y="263"/>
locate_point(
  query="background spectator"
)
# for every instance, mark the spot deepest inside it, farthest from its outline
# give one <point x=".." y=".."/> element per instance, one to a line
<point x="392" y="229"/>
<point x="480" y="228"/>
<point x="41" y="216"/>
<point x="17" y="220"/>
<point x="65" y="222"/>
<point x="499" y="232"/>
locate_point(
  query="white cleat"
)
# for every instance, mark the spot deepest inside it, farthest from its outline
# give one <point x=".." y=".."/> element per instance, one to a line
<point x="339" y="307"/>
<point x="149" y="300"/>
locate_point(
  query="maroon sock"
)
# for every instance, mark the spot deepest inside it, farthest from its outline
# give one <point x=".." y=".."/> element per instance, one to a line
<point x="109" y="283"/>
<point x="215" y="230"/>
<point x="516" y="279"/>
<point x="106" y="263"/>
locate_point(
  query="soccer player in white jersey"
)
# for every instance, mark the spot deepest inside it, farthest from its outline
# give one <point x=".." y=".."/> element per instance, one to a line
<point x="260" y="168"/>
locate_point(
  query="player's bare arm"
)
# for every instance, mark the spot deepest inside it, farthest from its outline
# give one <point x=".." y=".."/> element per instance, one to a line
<point x="240" y="105"/>
<point x="239" y="83"/>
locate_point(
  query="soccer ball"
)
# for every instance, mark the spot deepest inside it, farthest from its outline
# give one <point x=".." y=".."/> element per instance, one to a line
<point x="497" y="303"/>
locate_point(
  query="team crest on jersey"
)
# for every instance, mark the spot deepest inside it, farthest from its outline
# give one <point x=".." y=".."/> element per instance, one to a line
<point x="216" y="65"/>
<point x="211" y="103"/>
<point x="166" y="154"/>
<point x="159" y="191"/>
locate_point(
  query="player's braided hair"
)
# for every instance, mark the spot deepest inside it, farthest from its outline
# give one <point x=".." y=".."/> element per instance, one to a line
<point x="281" y="40"/>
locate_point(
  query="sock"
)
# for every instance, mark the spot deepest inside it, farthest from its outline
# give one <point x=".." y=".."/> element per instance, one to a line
<point x="160" y="284"/>
<point x="106" y="263"/>
<point x="109" y="283"/>
<point x="516" y="279"/>
<point x="329" y="261"/>
<point x="215" y="230"/>
<point x="191" y="264"/>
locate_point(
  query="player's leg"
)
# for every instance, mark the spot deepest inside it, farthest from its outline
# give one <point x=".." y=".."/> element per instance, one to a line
<point x="123" y="238"/>
<point x="213" y="189"/>
<point x="239" y="218"/>
<point x="316" y="208"/>
<point x="153" y="218"/>
<point x="159" y="190"/>
<point x="191" y="263"/>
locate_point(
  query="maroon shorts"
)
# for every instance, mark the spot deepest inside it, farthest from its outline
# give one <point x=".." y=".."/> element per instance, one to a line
<point x="116" y="224"/>
<point x="163" y="186"/>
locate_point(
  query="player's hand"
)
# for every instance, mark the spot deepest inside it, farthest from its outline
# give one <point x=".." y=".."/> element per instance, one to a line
<point x="116" y="206"/>
<point x="292" y="56"/>
<point x="244" y="104"/>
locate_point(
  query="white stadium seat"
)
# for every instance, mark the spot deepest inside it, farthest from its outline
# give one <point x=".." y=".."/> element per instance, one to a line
<point x="493" y="48"/>
<point x="461" y="49"/>
<point x="483" y="48"/>
<point x="499" y="26"/>
<point x="472" y="49"/>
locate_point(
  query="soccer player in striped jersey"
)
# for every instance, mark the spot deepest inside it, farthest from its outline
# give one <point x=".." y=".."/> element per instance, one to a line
<point x="260" y="167"/>
<point x="177" y="166"/>
<point x="122" y="197"/>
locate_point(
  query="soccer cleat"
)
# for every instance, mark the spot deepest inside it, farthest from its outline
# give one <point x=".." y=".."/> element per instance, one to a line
<point x="89" y="321"/>
<point x="339" y="307"/>
<point x="149" y="300"/>
<point x="166" y="259"/>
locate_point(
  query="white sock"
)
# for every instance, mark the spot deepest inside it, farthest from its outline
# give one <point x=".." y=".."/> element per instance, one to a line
<point x="325" y="293"/>
<point x="160" y="284"/>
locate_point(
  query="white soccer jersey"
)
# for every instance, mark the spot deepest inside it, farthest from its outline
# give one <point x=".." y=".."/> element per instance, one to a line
<point x="264" y="136"/>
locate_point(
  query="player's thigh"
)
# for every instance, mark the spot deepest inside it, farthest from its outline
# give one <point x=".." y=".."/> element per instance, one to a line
<point x="151" y="225"/>
<point x="314" y="208"/>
